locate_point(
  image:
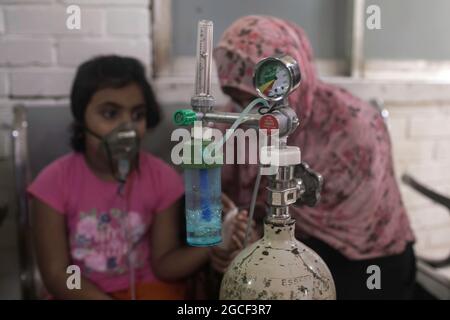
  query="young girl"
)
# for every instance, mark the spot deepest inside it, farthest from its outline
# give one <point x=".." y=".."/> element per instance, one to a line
<point x="124" y="236"/>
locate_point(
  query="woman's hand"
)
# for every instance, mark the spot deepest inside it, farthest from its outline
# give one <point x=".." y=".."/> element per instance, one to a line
<point x="227" y="203"/>
<point x="221" y="257"/>
<point x="239" y="229"/>
<point x="235" y="225"/>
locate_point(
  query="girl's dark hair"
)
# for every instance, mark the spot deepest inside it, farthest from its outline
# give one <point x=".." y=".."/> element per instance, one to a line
<point x="107" y="72"/>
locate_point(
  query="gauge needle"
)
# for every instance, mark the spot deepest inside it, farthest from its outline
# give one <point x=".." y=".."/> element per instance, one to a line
<point x="265" y="88"/>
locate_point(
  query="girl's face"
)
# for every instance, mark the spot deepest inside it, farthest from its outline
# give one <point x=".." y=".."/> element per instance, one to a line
<point x="109" y="108"/>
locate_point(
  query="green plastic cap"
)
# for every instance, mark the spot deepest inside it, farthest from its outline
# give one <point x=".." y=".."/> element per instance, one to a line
<point x="184" y="117"/>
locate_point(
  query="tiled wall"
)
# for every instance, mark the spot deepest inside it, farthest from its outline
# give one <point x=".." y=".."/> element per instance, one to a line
<point x="39" y="53"/>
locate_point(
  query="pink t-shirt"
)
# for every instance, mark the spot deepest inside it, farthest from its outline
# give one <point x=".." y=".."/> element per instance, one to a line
<point x="98" y="225"/>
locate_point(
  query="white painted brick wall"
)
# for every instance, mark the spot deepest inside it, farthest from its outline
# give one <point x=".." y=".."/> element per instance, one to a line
<point x="3" y="84"/>
<point x="26" y="52"/>
<point x="71" y="52"/>
<point x="2" y="22"/>
<point x="439" y="236"/>
<point x="413" y="150"/>
<point x="128" y="22"/>
<point x="421" y="147"/>
<point x="39" y="55"/>
<point x="431" y="172"/>
<point x="416" y="203"/>
<point x="110" y="2"/>
<point x="407" y="110"/>
<point x="429" y="217"/>
<point x="50" y="20"/>
<point x="41" y="83"/>
<point x="430" y="127"/>
<point x="26" y="1"/>
<point x="443" y="150"/>
<point x="398" y="128"/>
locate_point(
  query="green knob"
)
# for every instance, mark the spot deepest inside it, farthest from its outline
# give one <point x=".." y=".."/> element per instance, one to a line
<point x="184" y="117"/>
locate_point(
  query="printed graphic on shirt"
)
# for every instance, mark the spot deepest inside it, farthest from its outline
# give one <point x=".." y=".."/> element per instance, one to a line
<point x="101" y="240"/>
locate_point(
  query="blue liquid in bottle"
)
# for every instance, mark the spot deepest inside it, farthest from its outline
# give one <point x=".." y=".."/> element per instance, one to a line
<point x="203" y="206"/>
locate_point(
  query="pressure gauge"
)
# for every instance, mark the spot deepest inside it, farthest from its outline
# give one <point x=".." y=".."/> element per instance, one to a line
<point x="276" y="77"/>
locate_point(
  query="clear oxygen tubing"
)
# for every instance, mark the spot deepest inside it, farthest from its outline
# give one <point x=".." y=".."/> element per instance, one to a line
<point x="216" y="146"/>
<point x="223" y="140"/>
<point x="124" y="193"/>
<point x="252" y="206"/>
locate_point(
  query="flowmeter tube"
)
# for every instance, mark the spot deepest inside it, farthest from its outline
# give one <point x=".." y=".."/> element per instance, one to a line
<point x="202" y="180"/>
<point x="204" y="58"/>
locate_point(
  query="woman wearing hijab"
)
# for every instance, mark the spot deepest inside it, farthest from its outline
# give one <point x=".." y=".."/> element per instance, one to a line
<point x="361" y="220"/>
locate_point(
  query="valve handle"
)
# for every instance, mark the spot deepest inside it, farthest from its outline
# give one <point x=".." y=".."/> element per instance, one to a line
<point x="184" y="117"/>
<point x="312" y="184"/>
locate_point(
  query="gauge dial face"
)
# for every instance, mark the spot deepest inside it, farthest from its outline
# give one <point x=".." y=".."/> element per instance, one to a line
<point x="273" y="80"/>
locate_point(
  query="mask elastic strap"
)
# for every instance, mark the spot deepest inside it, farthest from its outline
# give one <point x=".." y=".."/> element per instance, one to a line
<point x="108" y="150"/>
<point x="92" y="133"/>
<point x="124" y="190"/>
